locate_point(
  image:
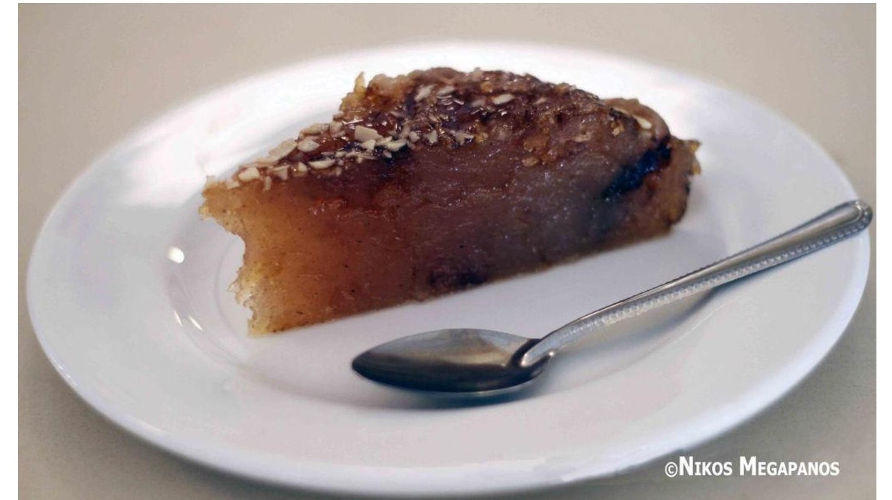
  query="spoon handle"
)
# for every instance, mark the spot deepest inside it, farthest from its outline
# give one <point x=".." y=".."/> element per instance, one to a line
<point x="824" y="230"/>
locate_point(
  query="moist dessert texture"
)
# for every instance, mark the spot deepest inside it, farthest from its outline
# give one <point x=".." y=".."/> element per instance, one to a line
<point x="439" y="180"/>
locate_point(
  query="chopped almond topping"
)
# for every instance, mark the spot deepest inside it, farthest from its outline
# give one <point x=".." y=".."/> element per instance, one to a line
<point x="281" y="172"/>
<point x="280" y="151"/>
<point x="413" y="136"/>
<point x="249" y="174"/>
<point x="643" y="122"/>
<point x="502" y="99"/>
<point x="479" y="102"/>
<point x="368" y="145"/>
<point x="423" y="92"/>
<point x="267" y="183"/>
<point x="431" y="137"/>
<point x="335" y="127"/>
<point x="446" y="90"/>
<point x="395" y="145"/>
<point x="307" y="145"/>
<point x="301" y="168"/>
<point x="314" y="129"/>
<point x="322" y="164"/>
<point x="529" y="161"/>
<point x="363" y="134"/>
<point x="461" y="137"/>
<point x="231" y="184"/>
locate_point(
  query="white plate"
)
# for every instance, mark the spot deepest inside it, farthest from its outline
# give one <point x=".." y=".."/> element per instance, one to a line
<point x="127" y="291"/>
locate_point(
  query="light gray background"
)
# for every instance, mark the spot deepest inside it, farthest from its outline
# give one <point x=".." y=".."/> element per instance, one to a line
<point x="90" y="74"/>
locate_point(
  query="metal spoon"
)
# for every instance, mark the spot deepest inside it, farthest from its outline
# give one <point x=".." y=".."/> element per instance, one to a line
<point x="487" y="362"/>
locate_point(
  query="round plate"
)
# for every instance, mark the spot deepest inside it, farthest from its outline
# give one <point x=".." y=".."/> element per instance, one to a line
<point x="127" y="292"/>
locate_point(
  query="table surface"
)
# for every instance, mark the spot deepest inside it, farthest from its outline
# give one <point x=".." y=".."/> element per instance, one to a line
<point x="90" y="74"/>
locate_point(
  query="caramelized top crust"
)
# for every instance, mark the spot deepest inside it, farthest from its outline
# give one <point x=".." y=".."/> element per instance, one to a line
<point x="459" y="122"/>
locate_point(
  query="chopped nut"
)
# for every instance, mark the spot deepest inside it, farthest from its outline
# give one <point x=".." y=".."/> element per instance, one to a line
<point x="281" y="172"/>
<point x="461" y="137"/>
<point x="267" y="183"/>
<point x="359" y="155"/>
<point x="316" y="128"/>
<point x="540" y="100"/>
<point x="585" y="137"/>
<point x="445" y="90"/>
<point x="479" y="102"/>
<point x="395" y="145"/>
<point x="529" y="161"/>
<point x="231" y="184"/>
<point x="363" y="134"/>
<point x="476" y="75"/>
<point x="431" y="137"/>
<point x="249" y="174"/>
<point x="307" y="145"/>
<point x="405" y="132"/>
<point x="322" y="164"/>
<point x="279" y="152"/>
<point x="413" y="136"/>
<point x="487" y="86"/>
<point x="335" y="127"/>
<point x="502" y="99"/>
<point x="301" y="169"/>
<point x="387" y="154"/>
<point x="644" y="123"/>
<point x="617" y="129"/>
<point x="368" y="145"/>
<point x="340" y="154"/>
<point x="423" y="92"/>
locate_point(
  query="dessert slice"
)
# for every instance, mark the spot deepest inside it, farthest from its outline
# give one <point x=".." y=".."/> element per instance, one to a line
<point x="438" y="180"/>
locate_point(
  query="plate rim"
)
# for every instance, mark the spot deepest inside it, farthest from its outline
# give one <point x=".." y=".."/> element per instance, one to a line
<point x="236" y="462"/>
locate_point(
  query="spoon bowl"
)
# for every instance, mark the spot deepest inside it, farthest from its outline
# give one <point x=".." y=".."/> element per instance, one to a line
<point x="459" y="360"/>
